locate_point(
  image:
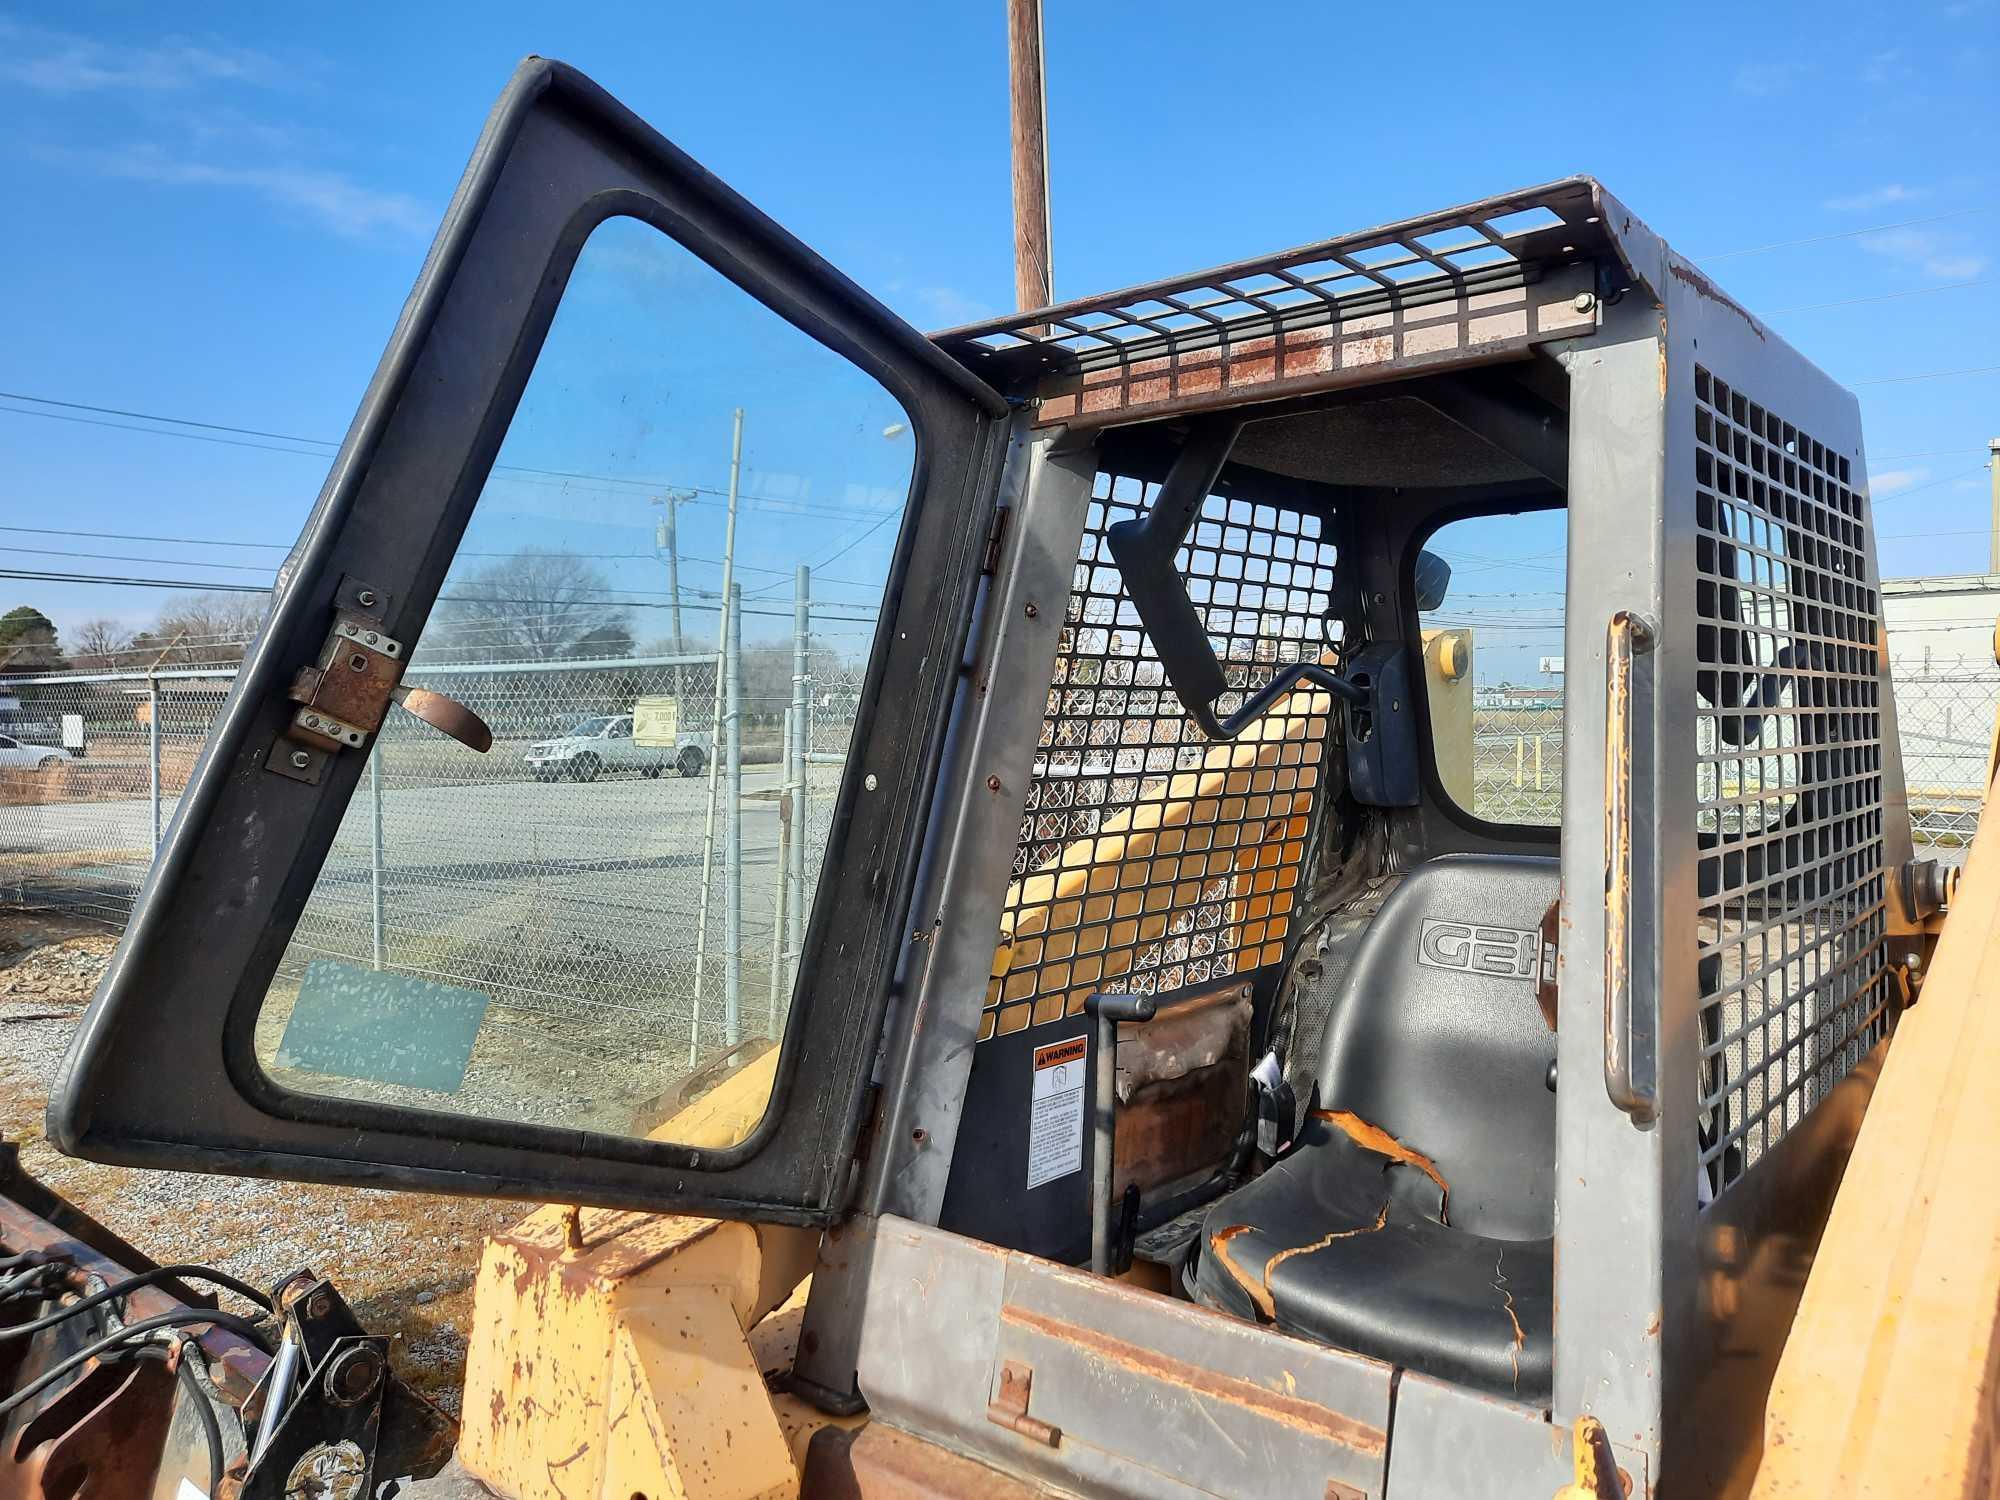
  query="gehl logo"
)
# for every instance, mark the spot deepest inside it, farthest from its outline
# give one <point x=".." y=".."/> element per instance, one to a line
<point x="1472" y="949"/>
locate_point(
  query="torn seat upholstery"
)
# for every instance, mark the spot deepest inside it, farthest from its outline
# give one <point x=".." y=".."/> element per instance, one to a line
<point x="1435" y="1069"/>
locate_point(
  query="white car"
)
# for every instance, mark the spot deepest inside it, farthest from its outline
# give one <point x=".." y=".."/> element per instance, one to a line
<point x="604" y="744"/>
<point x="16" y="756"/>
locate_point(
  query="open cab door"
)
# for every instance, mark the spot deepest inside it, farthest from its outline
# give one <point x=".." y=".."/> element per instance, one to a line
<point x="601" y="324"/>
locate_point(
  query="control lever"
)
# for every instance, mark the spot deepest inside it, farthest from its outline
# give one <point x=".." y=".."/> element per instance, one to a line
<point x="1144" y="549"/>
<point x="1108" y="1011"/>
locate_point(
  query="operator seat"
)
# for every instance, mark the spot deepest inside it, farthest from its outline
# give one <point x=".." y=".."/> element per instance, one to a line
<point x="1435" y="1038"/>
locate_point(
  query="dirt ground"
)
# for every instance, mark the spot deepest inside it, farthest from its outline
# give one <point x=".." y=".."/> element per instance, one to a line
<point x="405" y="1261"/>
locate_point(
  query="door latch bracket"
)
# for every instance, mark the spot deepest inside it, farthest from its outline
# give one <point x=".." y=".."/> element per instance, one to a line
<point x="345" y="694"/>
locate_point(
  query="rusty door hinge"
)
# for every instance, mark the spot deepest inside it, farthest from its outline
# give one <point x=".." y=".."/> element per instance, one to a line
<point x="345" y="694"/>
<point x="1009" y="1406"/>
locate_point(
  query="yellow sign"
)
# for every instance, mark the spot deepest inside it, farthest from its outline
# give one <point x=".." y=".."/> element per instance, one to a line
<point x="656" y="722"/>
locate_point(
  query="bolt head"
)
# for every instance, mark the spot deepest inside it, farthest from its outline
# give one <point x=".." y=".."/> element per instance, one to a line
<point x="1032" y="610"/>
<point x="1583" y="302"/>
<point x="300" y="760"/>
<point x="869" y="783"/>
<point x="319" y="1305"/>
<point x="366" y="598"/>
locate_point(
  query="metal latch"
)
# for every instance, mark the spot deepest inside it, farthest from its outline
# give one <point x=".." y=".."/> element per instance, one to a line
<point x="1009" y="1407"/>
<point x="344" y="696"/>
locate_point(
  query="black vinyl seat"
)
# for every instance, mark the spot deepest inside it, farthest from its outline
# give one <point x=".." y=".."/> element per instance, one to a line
<point x="1436" y="1039"/>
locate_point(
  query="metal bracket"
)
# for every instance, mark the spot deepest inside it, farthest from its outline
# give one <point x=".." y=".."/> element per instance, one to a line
<point x="1009" y="1407"/>
<point x="346" y="693"/>
<point x="347" y="1418"/>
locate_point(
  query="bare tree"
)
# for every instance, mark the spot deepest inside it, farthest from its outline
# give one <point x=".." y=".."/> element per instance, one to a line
<point x="99" y="643"/>
<point x="207" y="630"/>
<point x="537" y="605"/>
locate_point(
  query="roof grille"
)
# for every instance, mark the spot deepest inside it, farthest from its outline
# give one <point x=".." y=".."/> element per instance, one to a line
<point x="1483" y="281"/>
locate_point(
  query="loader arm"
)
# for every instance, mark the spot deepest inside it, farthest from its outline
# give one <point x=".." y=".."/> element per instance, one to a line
<point x="1890" y="1381"/>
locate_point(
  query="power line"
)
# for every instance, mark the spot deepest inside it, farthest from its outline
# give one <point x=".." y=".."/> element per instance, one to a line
<point x="874" y="584"/>
<point x="1846" y="234"/>
<point x="1926" y="453"/>
<point x="133" y="536"/>
<point x="857" y="614"/>
<point x="1926" y="375"/>
<point x="193" y="437"/>
<point x="1918" y="489"/>
<point x="189" y="562"/>
<point x="205" y="433"/>
<point x="146" y="416"/>
<point x="34" y="576"/>
<point x="1920" y="291"/>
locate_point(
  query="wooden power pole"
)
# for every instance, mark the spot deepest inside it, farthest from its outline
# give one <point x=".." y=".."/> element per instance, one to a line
<point x="1033" y="283"/>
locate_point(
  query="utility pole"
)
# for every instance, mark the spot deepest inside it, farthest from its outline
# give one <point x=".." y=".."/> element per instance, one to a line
<point x="1034" y="282"/>
<point x="1993" y="471"/>
<point x="732" y="741"/>
<point x="715" y="739"/>
<point x="667" y="540"/>
<point x="799" y="768"/>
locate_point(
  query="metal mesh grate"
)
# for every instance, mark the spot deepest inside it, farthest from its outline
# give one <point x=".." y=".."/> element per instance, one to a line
<point x="1788" y="777"/>
<point x="1151" y="860"/>
<point x="1488" y="275"/>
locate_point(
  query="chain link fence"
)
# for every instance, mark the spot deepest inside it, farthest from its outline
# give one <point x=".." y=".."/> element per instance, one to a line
<point x="607" y="856"/>
<point x="1517" y="765"/>
<point x="565" y="869"/>
<point x="1944" y="712"/>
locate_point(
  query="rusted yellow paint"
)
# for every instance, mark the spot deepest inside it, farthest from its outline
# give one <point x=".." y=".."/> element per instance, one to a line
<point x="1594" y="1474"/>
<point x="727" y="1113"/>
<point x="1890" y="1382"/>
<point x="634" y="1363"/>
<point x="623" y="1367"/>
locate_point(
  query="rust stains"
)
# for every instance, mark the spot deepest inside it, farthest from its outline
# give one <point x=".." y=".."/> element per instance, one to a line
<point x="552" y="1465"/>
<point x="1319" y="1244"/>
<point x="1499" y="1284"/>
<point x="1306" y="1417"/>
<point x="1691" y="277"/>
<point x="1258" y="1288"/>
<point x="1370" y="1137"/>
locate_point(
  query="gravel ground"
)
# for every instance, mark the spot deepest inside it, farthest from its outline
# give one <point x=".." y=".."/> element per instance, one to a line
<point x="405" y="1261"/>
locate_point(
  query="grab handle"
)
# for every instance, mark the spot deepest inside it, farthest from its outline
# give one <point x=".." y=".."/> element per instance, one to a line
<point x="1631" y="1052"/>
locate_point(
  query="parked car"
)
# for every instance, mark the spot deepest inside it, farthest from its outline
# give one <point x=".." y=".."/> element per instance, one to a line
<point x="18" y="756"/>
<point x="604" y="744"/>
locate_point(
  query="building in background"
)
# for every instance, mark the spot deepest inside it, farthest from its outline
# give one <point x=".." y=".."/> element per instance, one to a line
<point x="1941" y="647"/>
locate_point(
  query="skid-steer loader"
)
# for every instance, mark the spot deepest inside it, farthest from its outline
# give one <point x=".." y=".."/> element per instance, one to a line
<point x="1201" y="1071"/>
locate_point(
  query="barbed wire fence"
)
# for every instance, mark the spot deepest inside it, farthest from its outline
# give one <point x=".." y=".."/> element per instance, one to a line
<point x="570" y="882"/>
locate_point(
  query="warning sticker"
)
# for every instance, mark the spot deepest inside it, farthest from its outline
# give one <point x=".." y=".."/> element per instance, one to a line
<point x="1055" y="1122"/>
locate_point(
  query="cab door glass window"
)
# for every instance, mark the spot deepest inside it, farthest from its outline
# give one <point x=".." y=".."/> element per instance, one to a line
<point x="597" y="924"/>
<point x="1493" y="666"/>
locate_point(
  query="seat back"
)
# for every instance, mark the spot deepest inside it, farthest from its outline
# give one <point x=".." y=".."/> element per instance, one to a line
<point x="1436" y="1036"/>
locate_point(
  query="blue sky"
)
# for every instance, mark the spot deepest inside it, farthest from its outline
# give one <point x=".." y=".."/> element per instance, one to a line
<point x="216" y="214"/>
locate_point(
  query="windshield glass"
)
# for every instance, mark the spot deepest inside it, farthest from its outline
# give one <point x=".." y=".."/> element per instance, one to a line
<point x="590" y="727"/>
